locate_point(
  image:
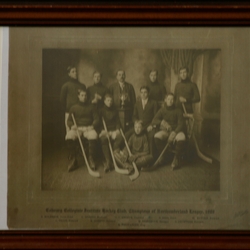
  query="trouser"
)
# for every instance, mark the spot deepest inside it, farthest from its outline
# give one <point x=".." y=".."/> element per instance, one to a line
<point x="144" y="161"/>
<point x="72" y="148"/>
<point x="87" y="132"/>
<point x="141" y="161"/>
<point x="161" y="137"/>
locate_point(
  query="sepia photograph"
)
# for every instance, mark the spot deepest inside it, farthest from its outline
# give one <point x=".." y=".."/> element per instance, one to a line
<point x="112" y="116"/>
<point x="127" y="128"/>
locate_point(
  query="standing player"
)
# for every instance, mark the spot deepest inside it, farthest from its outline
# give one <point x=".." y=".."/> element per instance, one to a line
<point x="123" y="94"/>
<point x="69" y="92"/>
<point x="97" y="91"/>
<point x="186" y="92"/>
<point x="156" y="89"/>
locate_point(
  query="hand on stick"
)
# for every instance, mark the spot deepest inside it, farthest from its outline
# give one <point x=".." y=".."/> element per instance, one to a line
<point x="182" y="99"/>
<point x="171" y="136"/>
<point x="149" y="128"/>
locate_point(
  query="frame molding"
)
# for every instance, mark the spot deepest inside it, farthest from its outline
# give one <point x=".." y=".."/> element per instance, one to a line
<point x="121" y="15"/>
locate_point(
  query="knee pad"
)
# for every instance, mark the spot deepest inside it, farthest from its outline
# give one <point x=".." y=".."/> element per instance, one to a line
<point x="162" y="135"/>
<point x="71" y="135"/>
<point x="180" y="137"/>
<point x="91" y="135"/>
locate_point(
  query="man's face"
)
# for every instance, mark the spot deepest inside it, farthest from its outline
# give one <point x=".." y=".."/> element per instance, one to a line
<point x="144" y="94"/>
<point x="82" y="96"/>
<point x="138" y="128"/>
<point x="97" y="78"/>
<point x="120" y="76"/>
<point x="169" y="100"/>
<point x="108" y="101"/>
<point x="73" y="73"/>
<point x="153" y="76"/>
<point x="183" y="74"/>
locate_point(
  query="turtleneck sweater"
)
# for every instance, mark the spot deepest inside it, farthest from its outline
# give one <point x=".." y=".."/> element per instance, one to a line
<point x="172" y="115"/>
<point x="188" y="90"/>
<point x="85" y="115"/>
<point x="69" y="93"/>
<point x="111" y="117"/>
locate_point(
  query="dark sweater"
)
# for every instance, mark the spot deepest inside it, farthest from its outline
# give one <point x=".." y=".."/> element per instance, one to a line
<point x="85" y="115"/>
<point x="69" y="93"/>
<point x="173" y="116"/>
<point x="99" y="89"/>
<point x="111" y="118"/>
<point x="147" y="114"/>
<point x="188" y="90"/>
<point x="157" y="91"/>
<point x="138" y="143"/>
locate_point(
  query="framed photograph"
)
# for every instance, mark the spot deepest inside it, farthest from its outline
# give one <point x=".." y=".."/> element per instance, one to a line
<point x="127" y="127"/>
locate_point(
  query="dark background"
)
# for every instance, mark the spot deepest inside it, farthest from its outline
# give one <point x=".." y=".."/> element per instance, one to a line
<point x="137" y="63"/>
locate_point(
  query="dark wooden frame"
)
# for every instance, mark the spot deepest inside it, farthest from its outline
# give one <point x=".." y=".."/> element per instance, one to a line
<point x="121" y="15"/>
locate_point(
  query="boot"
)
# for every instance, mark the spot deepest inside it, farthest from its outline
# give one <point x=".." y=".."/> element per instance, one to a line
<point x="72" y="148"/>
<point x="92" y="150"/>
<point x="106" y="153"/>
<point x="179" y="151"/>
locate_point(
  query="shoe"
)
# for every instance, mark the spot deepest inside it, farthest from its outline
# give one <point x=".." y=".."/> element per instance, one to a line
<point x="92" y="164"/>
<point x="107" y="167"/>
<point x="72" y="164"/>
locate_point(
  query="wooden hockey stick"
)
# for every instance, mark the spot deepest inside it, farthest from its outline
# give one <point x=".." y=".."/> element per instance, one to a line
<point x="136" y="174"/>
<point x="162" y="152"/>
<point x="91" y="172"/>
<point x="199" y="153"/>
<point x="117" y="169"/>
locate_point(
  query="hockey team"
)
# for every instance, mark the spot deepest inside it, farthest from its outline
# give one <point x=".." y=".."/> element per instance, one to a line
<point x="154" y="122"/>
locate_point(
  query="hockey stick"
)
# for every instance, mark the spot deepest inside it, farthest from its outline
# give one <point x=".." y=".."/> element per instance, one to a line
<point x="199" y="153"/>
<point x="91" y="172"/>
<point x="162" y="152"/>
<point x="118" y="170"/>
<point x="136" y="173"/>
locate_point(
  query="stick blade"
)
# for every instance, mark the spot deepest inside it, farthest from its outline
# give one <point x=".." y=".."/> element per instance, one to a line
<point x="94" y="174"/>
<point x="134" y="176"/>
<point x="120" y="171"/>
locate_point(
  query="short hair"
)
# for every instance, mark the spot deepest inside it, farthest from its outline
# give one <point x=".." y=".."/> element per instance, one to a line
<point x="153" y="70"/>
<point x="170" y="93"/>
<point x="108" y="96"/>
<point x="138" y="122"/>
<point x="97" y="72"/>
<point x="184" y="67"/>
<point x="119" y="71"/>
<point x="70" y="67"/>
<point x="81" y="90"/>
<point x="144" y="87"/>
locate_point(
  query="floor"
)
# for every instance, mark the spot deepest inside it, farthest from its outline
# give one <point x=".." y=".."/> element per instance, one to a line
<point x="194" y="175"/>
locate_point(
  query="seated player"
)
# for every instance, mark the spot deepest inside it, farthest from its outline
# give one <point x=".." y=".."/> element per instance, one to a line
<point x="87" y="120"/>
<point x="111" y="118"/>
<point x="171" y="125"/>
<point x="138" y="144"/>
